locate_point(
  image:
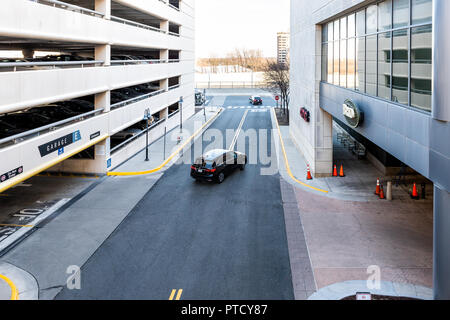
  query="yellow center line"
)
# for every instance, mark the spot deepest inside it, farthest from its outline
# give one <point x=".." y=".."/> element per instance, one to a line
<point x="179" y="294"/>
<point x="172" y="294"/>
<point x="14" y="291"/>
<point x="288" y="168"/>
<point x="169" y="158"/>
<point x="16" y="225"/>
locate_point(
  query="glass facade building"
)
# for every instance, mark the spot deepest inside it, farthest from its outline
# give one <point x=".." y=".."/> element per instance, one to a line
<point x="382" y="50"/>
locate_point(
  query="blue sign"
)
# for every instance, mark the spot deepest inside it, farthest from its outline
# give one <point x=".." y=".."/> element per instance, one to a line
<point x="60" y="151"/>
<point x="108" y="163"/>
<point x="76" y="136"/>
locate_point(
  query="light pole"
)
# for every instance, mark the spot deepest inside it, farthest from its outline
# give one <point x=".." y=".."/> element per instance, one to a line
<point x="180" y="107"/>
<point x="147" y="119"/>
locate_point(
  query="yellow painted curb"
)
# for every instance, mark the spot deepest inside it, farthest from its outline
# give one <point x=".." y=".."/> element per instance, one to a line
<point x="162" y="165"/>
<point x="288" y="168"/>
<point x="14" y="291"/>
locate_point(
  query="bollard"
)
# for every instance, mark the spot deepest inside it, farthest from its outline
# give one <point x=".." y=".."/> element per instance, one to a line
<point x="389" y="191"/>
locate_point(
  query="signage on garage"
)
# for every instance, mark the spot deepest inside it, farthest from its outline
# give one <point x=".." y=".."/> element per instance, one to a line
<point x="353" y="115"/>
<point x="59" y="144"/>
<point x="11" y="174"/>
<point x="94" y="135"/>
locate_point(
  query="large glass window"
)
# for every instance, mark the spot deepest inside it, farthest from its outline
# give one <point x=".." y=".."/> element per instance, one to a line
<point x="421" y="67"/>
<point x="400" y="70"/>
<point x="361" y="64"/>
<point x="371" y="65"/>
<point x="384" y="65"/>
<point x="384" y="50"/>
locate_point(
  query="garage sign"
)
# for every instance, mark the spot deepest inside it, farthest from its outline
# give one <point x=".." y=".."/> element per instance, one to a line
<point x="353" y="115"/>
<point x="59" y="144"/>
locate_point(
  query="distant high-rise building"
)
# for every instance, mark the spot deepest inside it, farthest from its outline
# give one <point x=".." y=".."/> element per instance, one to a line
<point x="282" y="47"/>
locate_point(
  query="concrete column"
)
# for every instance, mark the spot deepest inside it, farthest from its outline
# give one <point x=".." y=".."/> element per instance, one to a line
<point x="103" y="6"/>
<point x="164" y="84"/>
<point x="164" y="114"/>
<point x="164" y="26"/>
<point x="441" y="60"/>
<point x="441" y="248"/>
<point x="103" y="53"/>
<point x="164" y="54"/>
<point x="103" y="100"/>
<point x="28" y="53"/>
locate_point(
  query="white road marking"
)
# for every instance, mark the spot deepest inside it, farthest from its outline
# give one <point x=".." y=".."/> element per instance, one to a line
<point x="238" y="131"/>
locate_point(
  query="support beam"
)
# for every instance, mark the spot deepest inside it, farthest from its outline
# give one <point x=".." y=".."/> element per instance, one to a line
<point x="103" y="6"/>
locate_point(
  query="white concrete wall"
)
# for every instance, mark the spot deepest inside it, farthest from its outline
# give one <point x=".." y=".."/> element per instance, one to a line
<point x="314" y="139"/>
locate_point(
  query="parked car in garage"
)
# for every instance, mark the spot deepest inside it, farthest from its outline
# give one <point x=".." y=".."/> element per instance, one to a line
<point x="216" y="165"/>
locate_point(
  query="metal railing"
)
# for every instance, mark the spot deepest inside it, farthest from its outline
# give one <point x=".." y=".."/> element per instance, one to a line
<point x="53" y="64"/>
<point x="136" y="99"/>
<point x="174" y="34"/>
<point x="174" y="87"/>
<point x="70" y="7"/>
<point x="48" y="128"/>
<point x="173" y="113"/>
<point x="150" y="61"/>
<point x="136" y="24"/>
<point x="122" y="144"/>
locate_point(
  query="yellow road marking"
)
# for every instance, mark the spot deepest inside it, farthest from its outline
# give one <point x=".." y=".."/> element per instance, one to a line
<point x="172" y="294"/>
<point x="169" y="158"/>
<point x="14" y="291"/>
<point x="288" y="168"/>
<point x="16" y="225"/>
<point x="233" y="143"/>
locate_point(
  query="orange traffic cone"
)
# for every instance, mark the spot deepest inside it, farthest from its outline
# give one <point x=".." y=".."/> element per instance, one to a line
<point x="341" y="172"/>
<point x="382" y="197"/>
<point x="308" y="174"/>
<point x="415" y="194"/>
<point x="377" y="191"/>
<point x="335" y="172"/>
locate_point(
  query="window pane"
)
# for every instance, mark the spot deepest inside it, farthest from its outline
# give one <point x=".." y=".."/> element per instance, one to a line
<point x="351" y="63"/>
<point x="343" y="64"/>
<point x="351" y="25"/>
<point x="330" y="63"/>
<point x="361" y="23"/>
<point x="384" y="15"/>
<point x="360" y="63"/>
<point x="336" y="63"/>
<point x="400" y="66"/>
<point x="344" y="28"/>
<point x="324" y="33"/>
<point x="324" y="62"/>
<point x="422" y="11"/>
<point x="336" y="30"/>
<point x="330" y="31"/>
<point x="401" y="13"/>
<point x="384" y="65"/>
<point x="371" y="19"/>
<point x="421" y="67"/>
<point x="371" y="65"/>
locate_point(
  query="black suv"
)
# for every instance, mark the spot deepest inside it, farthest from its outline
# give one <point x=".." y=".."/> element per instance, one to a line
<point x="215" y="165"/>
<point x="255" y="100"/>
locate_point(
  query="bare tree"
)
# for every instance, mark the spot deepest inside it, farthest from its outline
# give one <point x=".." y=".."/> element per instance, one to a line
<point x="276" y="76"/>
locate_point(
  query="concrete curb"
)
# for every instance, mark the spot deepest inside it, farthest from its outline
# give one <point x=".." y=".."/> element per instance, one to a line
<point x="25" y="283"/>
<point x="341" y="290"/>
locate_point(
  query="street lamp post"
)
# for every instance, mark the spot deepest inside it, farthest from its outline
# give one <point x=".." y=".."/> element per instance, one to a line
<point x="147" y="118"/>
<point x="180" y="107"/>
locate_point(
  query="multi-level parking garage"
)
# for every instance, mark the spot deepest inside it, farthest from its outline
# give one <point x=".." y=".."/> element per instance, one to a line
<point x="77" y="76"/>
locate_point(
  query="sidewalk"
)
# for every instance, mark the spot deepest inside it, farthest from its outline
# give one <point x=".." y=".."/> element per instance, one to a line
<point x="70" y="238"/>
<point x="349" y="229"/>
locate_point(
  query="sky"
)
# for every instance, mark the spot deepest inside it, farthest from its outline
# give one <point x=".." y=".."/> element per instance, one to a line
<point x="223" y="25"/>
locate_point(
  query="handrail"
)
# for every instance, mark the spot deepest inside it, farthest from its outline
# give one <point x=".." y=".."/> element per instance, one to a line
<point x="48" y="63"/>
<point x="173" y="113"/>
<point x="67" y="6"/>
<point x="174" y="87"/>
<point x="136" y="99"/>
<point x="119" y="146"/>
<point x="174" y="34"/>
<point x="148" y="61"/>
<point x="136" y="24"/>
<point x="49" y="127"/>
<point x="174" y="60"/>
<point x="173" y="7"/>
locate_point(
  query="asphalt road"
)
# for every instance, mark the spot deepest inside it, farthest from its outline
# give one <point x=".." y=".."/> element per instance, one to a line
<point x="224" y="241"/>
